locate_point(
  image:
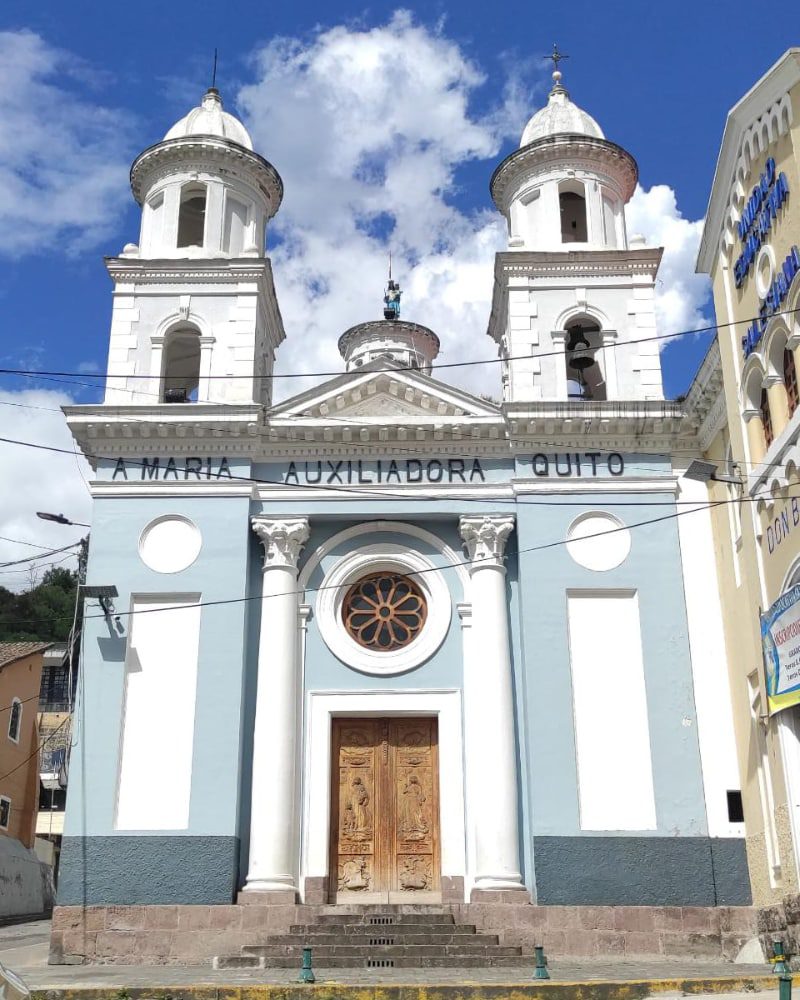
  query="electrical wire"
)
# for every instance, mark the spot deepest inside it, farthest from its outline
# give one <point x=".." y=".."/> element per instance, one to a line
<point x="452" y="565"/>
<point x="36" y="751"/>
<point x="53" y="374"/>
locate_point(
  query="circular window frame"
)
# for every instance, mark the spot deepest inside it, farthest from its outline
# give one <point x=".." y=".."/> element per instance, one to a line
<point x="622" y="535"/>
<point x="385" y="615"/>
<point x="161" y="520"/>
<point x="369" y="559"/>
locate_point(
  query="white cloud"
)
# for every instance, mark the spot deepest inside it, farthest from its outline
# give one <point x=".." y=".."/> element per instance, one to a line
<point x="38" y="480"/>
<point x="63" y="158"/>
<point x="682" y="297"/>
<point x="368" y="128"/>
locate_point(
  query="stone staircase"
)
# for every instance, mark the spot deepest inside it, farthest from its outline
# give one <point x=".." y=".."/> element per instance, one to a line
<point x="378" y="937"/>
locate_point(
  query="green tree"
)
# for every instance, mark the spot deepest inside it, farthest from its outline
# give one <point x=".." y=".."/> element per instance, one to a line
<point x="42" y="613"/>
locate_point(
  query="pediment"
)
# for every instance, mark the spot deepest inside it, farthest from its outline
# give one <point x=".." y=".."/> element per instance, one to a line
<point x="384" y="395"/>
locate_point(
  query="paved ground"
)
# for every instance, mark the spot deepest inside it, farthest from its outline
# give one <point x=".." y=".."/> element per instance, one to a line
<point x="24" y="947"/>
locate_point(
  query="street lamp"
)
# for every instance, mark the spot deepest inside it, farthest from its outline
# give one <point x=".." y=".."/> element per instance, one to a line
<point x="60" y="519"/>
<point x="702" y="472"/>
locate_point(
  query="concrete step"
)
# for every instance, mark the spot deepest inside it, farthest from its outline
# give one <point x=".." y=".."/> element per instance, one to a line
<point x="313" y="938"/>
<point x="348" y="930"/>
<point x="322" y="954"/>
<point x="406" y="962"/>
<point x="386" y="919"/>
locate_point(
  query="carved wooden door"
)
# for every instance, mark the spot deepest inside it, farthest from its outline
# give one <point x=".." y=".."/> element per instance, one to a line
<point x="385" y="811"/>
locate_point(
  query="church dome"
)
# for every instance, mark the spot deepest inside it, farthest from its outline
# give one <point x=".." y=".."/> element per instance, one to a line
<point x="560" y="115"/>
<point x="210" y="119"/>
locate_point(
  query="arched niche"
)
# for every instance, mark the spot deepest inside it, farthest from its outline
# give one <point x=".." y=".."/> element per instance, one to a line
<point x="583" y="357"/>
<point x="180" y="375"/>
<point x="572" y="211"/>
<point x="192" y="216"/>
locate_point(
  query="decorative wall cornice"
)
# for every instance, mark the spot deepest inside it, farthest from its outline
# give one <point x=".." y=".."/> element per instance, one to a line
<point x="570" y="150"/>
<point x="205" y="152"/>
<point x="190" y="270"/>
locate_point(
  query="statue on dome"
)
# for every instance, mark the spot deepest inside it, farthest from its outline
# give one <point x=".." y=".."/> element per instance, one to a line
<point x="391" y="300"/>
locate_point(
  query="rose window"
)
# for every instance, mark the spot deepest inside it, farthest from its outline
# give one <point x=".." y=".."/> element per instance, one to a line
<point x="384" y="611"/>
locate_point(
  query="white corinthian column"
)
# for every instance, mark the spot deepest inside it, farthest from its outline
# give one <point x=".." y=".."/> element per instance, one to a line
<point x="488" y="697"/>
<point x="274" y="805"/>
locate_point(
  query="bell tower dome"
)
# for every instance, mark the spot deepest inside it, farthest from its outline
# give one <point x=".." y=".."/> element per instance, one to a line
<point x="572" y="287"/>
<point x="194" y="302"/>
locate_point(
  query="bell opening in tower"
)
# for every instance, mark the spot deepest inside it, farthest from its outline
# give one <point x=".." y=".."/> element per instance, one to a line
<point x="181" y="376"/>
<point x="572" y="207"/>
<point x="192" y="217"/>
<point x="585" y="378"/>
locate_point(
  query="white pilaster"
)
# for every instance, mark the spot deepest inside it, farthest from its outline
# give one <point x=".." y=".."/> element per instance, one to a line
<point x="275" y="800"/>
<point x="488" y="696"/>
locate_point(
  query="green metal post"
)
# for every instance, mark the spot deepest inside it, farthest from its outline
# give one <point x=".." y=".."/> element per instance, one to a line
<point x="779" y="964"/>
<point x="784" y="987"/>
<point x="540" y="972"/>
<point x="306" y="972"/>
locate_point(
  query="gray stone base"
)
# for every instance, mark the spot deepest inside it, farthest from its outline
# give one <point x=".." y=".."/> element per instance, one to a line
<point x="147" y="870"/>
<point x="641" y="871"/>
<point x="192" y="935"/>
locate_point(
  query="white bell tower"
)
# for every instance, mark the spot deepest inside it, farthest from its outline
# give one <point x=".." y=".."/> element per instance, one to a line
<point x="571" y="286"/>
<point x="194" y="308"/>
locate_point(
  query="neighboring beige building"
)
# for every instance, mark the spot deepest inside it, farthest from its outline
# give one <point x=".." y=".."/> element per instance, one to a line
<point x="750" y="250"/>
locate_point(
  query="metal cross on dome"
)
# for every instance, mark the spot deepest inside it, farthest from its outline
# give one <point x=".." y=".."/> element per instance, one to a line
<point x="556" y="56"/>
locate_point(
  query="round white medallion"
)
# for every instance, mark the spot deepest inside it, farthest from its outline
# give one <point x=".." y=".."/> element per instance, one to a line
<point x="170" y="544"/>
<point x="388" y="558"/>
<point x="598" y="541"/>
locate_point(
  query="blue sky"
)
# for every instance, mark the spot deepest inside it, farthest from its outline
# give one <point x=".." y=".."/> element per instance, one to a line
<point x="385" y="126"/>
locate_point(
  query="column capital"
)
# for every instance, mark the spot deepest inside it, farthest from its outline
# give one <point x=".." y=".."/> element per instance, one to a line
<point x="283" y="539"/>
<point x="485" y="537"/>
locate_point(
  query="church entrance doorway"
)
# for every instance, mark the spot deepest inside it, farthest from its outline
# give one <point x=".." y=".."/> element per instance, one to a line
<point x="385" y="811"/>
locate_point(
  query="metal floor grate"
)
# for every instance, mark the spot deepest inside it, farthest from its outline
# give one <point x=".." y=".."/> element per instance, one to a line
<point x="380" y="963"/>
<point x="380" y="920"/>
<point x="381" y="940"/>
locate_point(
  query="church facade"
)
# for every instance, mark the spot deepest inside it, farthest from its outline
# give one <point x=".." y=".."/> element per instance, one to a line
<point x="384" y="641"/>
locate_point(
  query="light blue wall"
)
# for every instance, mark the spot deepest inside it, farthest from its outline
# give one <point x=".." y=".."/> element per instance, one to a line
<point x="653" y="570"/>
<point x="219" y="573"/>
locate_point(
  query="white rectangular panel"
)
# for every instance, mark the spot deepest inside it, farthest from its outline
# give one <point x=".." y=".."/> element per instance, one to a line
<point x="155" y="778"/>
<point x="612" y="734"/>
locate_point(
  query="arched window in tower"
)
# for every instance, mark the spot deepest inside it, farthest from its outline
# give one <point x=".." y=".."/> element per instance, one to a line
<point x="181" y="375"/>
<point x="766" y="418"/>
<point x="585" y="377"/>
<point x="192" y="216"/>
<point x="790" y="380"/>
<point x="572" y="206"/>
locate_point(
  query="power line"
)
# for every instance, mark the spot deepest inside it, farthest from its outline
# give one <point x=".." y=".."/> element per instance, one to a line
<point x="36" y="751"/>
<point x="432" y="569"/>
<point x="43" y="555"/>
<point x="53" y="374"/>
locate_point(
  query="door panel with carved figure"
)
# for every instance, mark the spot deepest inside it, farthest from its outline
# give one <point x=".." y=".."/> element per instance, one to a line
<point x="385" y="811"/>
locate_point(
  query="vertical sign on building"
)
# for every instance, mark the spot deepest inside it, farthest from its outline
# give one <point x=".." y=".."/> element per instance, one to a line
<point x="780" y="641"/>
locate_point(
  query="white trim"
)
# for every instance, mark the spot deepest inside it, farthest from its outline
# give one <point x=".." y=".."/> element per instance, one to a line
<point x="370" y="527"/>
<point x="371" y="559"/>
<point x="5" y="798"/>
<point x="322" y="706"/>
<point x="14" y="701"/>
<point x="103" y="488"/>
